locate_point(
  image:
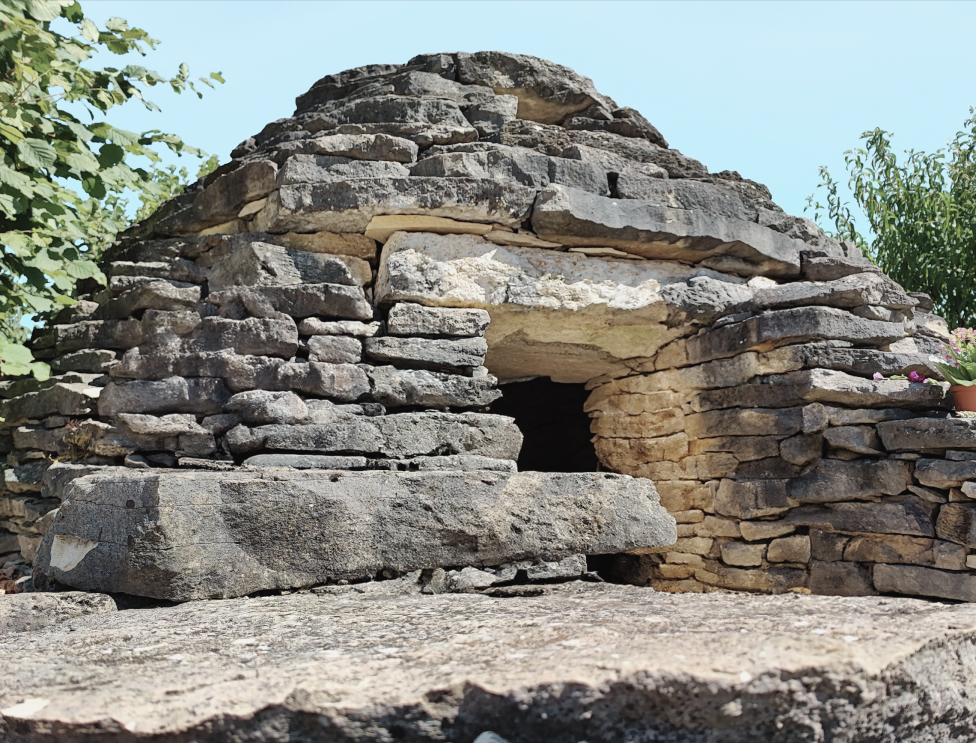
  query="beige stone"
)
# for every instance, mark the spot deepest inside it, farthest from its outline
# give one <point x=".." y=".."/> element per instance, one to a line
<point x="713" y="526"/>
<point x="688" y="530"/>
<point x="688" y="517"/>
<point x="971" y="562"/>
<point x="678" y="586"/>
<point x="969" y="489"/>
<point x="789" y="549"/>
<point x="742" y="555"/>
<point x="858" y="439"/>
<point x="771" y="580"/>
<point x="693" y="545"/>
<point x="684" y="558"/>
<point x="633" y="403"/>
<point x="335" y="243"/>
<point x="627" y="454"/>
<point x="700" y="467"/>
<point x="615" y="424"/>
<point x="253" y="208"/>
<point x="233" y="227"/>
<point x="757" y="530"/>
<point x="382" y="227"/>
<point x="684" y="495"/>
<point x="519" y="239"/>
<point x="675" y="572"/>
<point x="743" y="448"/>
<point x="608" y="252"/>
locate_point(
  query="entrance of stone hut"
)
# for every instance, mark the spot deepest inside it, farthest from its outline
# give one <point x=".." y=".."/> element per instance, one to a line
<point x="550" y="416"/>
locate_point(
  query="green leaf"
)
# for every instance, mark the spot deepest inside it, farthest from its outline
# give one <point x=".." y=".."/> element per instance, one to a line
<point x="110" y="155"/>
<point x="17" y="243"/>
<point x="46" y="10"/>
<point x="36" y="153"/>
<point x="89" y="30"/>
<point x="14" y="353"/>
<point x="118" y="25"/>
<point x="41" y="371"/>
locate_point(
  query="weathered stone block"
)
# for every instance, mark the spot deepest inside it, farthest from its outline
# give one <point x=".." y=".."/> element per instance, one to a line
<point x="223" y="199"/>
<point x="258" y="407"/>
<point x="335" y="349"/>
<point x="410" y="319"/>
<point x="305" y="300"/>
<point x="400" y="387"/>
<point x="257" y="263"/>
<point x="919" y="581"/>
<point x="314" y="326"/>
<point x="890" y="548"/>
<point x="449" y="354"/>
<point x="957" y="523"/>
<point x="944" y="473"/>
<point x="903" y="514"/>
<point x="840" y="579"/>
<point x="920" y="434"/>
<point x="789" y="549"/>
<point x="172" y="395"/>
<point x="858" y="439"/>
<point x="751" y="499"/>
<point x="230" y="534"/>
<point x="742" y="555"/>
<point x="836" y="480"/>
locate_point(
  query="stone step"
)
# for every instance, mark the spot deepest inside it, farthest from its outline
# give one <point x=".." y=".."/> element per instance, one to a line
<point x="191" y="535"/>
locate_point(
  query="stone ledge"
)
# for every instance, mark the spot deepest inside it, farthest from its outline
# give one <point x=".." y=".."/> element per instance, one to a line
<point x="678" y="667"/>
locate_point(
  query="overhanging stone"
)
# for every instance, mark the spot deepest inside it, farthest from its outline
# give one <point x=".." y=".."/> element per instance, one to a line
<point x="191" y="535"/>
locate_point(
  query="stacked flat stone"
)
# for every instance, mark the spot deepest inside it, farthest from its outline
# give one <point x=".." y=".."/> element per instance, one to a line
<point x="253" y="327"/>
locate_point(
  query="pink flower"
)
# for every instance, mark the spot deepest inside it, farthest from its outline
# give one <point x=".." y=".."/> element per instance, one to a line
<point x="916" y="377"/>
<point x="878" y="377"/>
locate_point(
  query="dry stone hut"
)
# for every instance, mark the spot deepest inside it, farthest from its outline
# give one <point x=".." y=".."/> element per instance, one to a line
<point x="324" y="361"/>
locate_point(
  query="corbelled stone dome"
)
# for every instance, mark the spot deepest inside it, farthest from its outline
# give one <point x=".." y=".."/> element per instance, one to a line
<point x="298" y="360"/>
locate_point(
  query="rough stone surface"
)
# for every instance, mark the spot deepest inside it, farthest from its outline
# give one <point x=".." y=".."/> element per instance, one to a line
<point x="26" y="612"/>
<point x="182" y="530"/>
<point x="792" y="661"/>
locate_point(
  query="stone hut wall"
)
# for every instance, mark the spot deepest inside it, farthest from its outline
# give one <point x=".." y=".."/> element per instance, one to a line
<point x="323" y="301"/>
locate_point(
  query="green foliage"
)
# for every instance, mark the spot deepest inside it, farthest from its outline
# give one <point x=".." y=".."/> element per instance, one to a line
<point x="921" y="214"/>
<point x="51" y="234"/>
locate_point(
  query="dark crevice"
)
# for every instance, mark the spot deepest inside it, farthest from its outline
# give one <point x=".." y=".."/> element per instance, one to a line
<point x="551" y="418"/>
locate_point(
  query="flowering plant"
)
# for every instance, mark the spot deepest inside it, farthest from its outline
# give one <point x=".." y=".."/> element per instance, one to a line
<point x="913" y="376"/>
<point x="959" y="367"/>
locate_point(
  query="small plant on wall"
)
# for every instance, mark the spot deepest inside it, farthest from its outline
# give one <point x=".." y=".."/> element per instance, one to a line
<point x="959" y="367"/>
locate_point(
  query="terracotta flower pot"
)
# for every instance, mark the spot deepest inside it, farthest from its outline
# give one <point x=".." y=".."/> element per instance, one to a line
<point x="964" y="397"/>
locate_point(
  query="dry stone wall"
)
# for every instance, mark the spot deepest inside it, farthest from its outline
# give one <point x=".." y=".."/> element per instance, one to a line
<point x="343" y="296"/>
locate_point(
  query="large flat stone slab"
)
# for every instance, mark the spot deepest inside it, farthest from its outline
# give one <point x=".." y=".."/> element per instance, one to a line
<point x="191" y="535"/>
<point x="586" y="662"/>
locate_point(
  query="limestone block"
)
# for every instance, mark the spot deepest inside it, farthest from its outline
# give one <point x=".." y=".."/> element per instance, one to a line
<point x="713" y="526"/>
<point x="305" y="300"/>
<point x="315" y="326"/>
<point x="460" y="355"/>
<point x="156" y="294"/>
<point x="553" y="314"/>
<point x="301" y="168"/>
<point x="780" y="327"/>
<point x="520" y="239"/>
<point x="410" y="319"/>
<point x="223" y="198"/>
<point x="697" y="467"/>
<point x="355" y="147"/>
<point x="857" y="290"/>
<point x="93" y="360"/>
<point x="753" y="531"/>
<point x="885" y="548"/>
<point x="739" y="422"/>
<point x="862" y="416"/>
<point x="750" y="499"/>
<point x="306" y="462"/>
<point x="400" y="387"/>
<point x="742" y="555"/>
<point x="920" y="434"/>
<point x="840" y="579"/>
<point x="743" y="448"/>
<point x="770" y="580"/>
<point x="67" y="399"/>
<point x="942" y="473"/>
<point x="919" y="581"/>
<point x="858" y="439"/>
<point x="350" y="205"/>
<point x="255" y="264"/>
<point x="904" y="514"/>
<point x="357" y="246"/>
<point x="574" y="217"/>
<point x="172" y="395"/>
<point x="258" y="407"/>
<point x="395" y="436"/>
<point x="836" y="480"/>
<point x="957" y="523"/>
<point x="819" y="266"/>
<point x="546" y="92"/>
<point x="616" y="424"/>
<point x="97" y="334"/>
<point x="802" y="449"/>
<point x="246" y="539"/>
<point x="490" y="117"/>
<point x="490" y="161"/>
<point x="28" y="612"/>
<point x="175" y="269"/>
<point x="335" y="349"/>
<point x="382" y="227"/>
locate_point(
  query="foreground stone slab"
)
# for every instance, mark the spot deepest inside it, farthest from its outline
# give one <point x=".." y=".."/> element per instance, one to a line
<point x="191" y="535"/>
<point x="584" y="662"/>
<point x="24" y="612"/>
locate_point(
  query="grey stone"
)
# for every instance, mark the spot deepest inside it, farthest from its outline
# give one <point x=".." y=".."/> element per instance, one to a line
<point x="802" y="449"/>
<point x="348" y="206"/>
<point x="327" y="168"/>
<point x="306" y="300"/>
<point x="200" y="396"/>
<point x="851" y="291"/>
<point x="27" y="612"/>
<point x="957" y="523"/>
<point x="919" y="581"/>
<point x="469" y="579"/>
<point x="490" y="117"/>
<point x="68" y="399"/>
<point x="860" y="417"/>
<point x="817" y="266"/>
<point x="840" y="579"/>
<point x="315" y="326"/>
<point x="98" y="334"/>
<point x="546" y="92"/>
<point x="449" y="354"/>
<point x="59" y="474"/>
<point x="928" y="433"/>
<point x="836" y="480"/>
<point x="306" y="462"/>
<point x="410" y="319"/>
<point x="227" y="194"/>
<point x="751" y="499"/>
<point x="910" y="550"/>
<point x="858" y="439"/>
<point x="573" y="217"/>
<point x="25" y="478"/>
<point x="711" y="198"/>
<point x="942" y="473"/>
<point x="751" y="422"/>
<point x="780" y="327"/>
<point x="458" y="462"/>
<point x="93" y="360"/>
<point x="399" y="387"/>
<point x="354" y="147"/>
<point x="479" y="160"/>
<point x="258" y="263"/>
<point x="258" y="407"/>
<point x="156" y="294"/>
<point x="176" y="269"/>
<point x="241" y="541"/>
<point x="335" y="349"/>
<point x="626" y="122"/>
<point x="909" y="655"/>
<point x="903" y="514"/>
<point x="394" y="436"/>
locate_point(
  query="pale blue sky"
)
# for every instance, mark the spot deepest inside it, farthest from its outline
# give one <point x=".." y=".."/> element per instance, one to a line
<point x="772" y="90"/>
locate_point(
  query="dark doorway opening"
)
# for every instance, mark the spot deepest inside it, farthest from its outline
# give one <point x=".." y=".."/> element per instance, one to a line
<point x="551" y="418"/>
